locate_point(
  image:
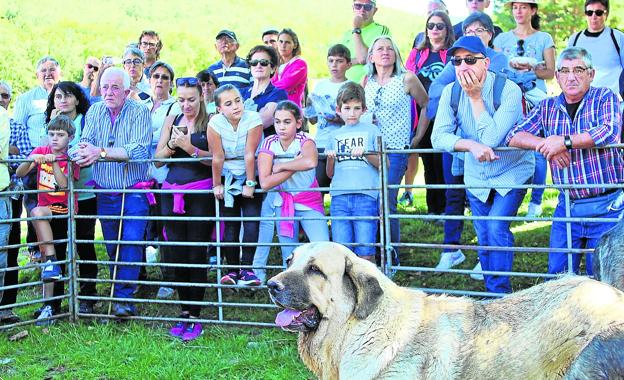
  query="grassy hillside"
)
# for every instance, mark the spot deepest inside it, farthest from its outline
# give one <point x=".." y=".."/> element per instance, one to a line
<point x="71" y="30"/>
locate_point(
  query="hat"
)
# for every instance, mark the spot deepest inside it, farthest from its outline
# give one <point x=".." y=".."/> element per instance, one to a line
<point x="510" y="2"/>
<point x="471" y="43"/>
<point x="228" y="33"/>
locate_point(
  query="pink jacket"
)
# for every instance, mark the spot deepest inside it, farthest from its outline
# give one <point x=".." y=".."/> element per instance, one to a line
<point x="311" y="199"/>
<point x="293" y="79"/>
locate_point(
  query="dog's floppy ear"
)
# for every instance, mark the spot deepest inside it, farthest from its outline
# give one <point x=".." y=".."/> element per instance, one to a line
<point x="368" y="292"/>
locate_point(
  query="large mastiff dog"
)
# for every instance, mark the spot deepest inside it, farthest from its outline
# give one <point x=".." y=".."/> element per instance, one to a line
<point x="354" y="323"/>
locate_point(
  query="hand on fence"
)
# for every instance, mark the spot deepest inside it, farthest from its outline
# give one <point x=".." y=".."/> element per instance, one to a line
<point x="87" y="154"/>
<point x="562" y="160"/>
<point x="357" y="151"/>
<point x="218" y="191"/>
<point x="483" y="153"/>
<point x="248" y="191"/>
<point x="330" y="153"/>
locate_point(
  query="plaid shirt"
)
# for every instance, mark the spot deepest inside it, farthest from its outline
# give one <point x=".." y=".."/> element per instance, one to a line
<point x="19" y="138"/>
<point x="599" y="115"/>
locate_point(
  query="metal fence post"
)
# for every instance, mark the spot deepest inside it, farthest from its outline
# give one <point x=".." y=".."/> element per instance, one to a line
<point x="566" y="194"/>
<point x="385" y="212"/>
<point x="71" y="245"/>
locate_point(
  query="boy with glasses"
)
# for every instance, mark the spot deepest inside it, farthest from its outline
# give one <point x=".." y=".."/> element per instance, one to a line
<point x="606" y="46"/>
<point x="150" y="44"/>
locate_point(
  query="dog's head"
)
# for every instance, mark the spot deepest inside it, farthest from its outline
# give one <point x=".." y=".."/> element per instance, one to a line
<point x="324" y="281"/>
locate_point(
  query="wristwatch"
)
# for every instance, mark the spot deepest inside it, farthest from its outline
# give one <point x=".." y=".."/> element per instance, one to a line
<point x="567" y="140"/>
<point x="102" y="153"/>
<point x="251" y="183"/>
<point x="356" y="31"/>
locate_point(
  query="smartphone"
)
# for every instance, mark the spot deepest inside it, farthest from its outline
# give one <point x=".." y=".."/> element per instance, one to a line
<point x="111" y="61"/>
<point x="182" y="129"/>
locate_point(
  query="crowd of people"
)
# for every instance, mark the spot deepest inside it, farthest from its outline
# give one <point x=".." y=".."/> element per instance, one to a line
<point x="465" y="89"/>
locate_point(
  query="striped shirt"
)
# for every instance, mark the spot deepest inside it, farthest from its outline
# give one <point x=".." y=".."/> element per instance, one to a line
<point x="132" y="131"/>
<point x="238" y="74"/>
<point x="513" y="167"/>
<point x="19" y="139"/>
<point x="5" y="134"/>
<point x="598" y="114"/>
<point x="30" y="111"/>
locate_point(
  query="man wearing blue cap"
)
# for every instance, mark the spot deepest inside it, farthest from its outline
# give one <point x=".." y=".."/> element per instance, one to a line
<point x="230" y="69"/>
<point x="477" y="127"/>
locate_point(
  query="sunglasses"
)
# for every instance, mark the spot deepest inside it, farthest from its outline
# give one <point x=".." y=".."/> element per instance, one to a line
<point x="469" y="60"/>
<point x="598" y="12"/>
<point x="90" y="66"/>
<point x="5" y="95"/>
<point x="262" y="62"/>
<point x="161" y="76"/>
<point x="520" y="48"/>
<point x="437" y="25"/>
<point x="187" y="81"/>
<point x="360" y="6"/>
<point x="135" y="61"/>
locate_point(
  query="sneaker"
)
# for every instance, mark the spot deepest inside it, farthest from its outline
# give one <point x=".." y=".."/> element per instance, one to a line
<point x="213" y="262"/>
<point x="248" y="277"/>
<point x="50" y="272"/>
<point x="7" y="316"/>
<point x="193" y="331"/>
<point x="123" y="310"/>
<point x="535" y="210"/>
<point x="406" y="199"/>
<point x="450" y="259"/>
<point x="229" y="279"/>
<point x="178" y="329"/>
<point x="151" y="254"/>
<point x="164" y="292"/>
<point x="44" y="317"/>
<point x="86" y="307"/>
<point x="477" y="276"/>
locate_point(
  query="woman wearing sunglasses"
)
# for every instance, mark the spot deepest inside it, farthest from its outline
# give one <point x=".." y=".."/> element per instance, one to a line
<point x="605" y="44"/>
<point x="531" y="55"/>
<point x="427" y="61"/>
<point x="262" y="96"/>
<point x="185" y="136"/>
<point x="292" y="74"/>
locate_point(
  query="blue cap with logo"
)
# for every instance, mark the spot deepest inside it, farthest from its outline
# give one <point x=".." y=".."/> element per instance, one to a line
<point x="471" y="43"/>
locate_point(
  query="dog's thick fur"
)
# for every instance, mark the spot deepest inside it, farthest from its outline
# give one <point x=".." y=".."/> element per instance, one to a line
<point x="371" y="328"/>
<point x="608" y="260"/>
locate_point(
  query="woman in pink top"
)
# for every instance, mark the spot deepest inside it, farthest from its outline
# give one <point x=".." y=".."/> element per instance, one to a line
<point x="292" y="74"/>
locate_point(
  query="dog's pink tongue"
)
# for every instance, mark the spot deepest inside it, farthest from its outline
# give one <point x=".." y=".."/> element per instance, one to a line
<point x="286" y="317"/>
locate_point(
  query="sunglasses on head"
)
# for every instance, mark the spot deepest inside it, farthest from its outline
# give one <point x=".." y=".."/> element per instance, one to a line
<point x="598" y="12"/>
<point x="161" y="76"/>
<point x="520" y="48"/>
<point x="437" y="25"/>
<point x="90" y="66"/>
<point x="187" y="81"/>
<point x="262" y="62"/>
<point x="360" y="6"/>
<point x="470" y="60"/>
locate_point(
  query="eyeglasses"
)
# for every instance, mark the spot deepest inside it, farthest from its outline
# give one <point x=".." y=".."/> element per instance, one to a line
<point x="577" y="71"/>
<point x="520" y="48"/>
<point x="135" y="61"/>
<point x="161" y="76"/>
<point x="476" y="1"/>
<point x="598" y="12"/>
<point x="437" y="25"/>
<point x="470" y="60"/>
<point x="360" y="6"/>
<point x="262" y="62"/>
<point x="5" y="96"/>
<point x="90" y="66"/>
<point x="187" y="81"/>
<point x="474" y="32"/>
<point x="146" y="44"/>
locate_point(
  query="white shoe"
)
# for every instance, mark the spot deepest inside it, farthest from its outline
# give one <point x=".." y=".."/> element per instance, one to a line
<point x="164" y="292"/>
<point x="151" y="254"/>
<point x="43" y="318"/>
<point x="477" y="276"/>
<point x="534" y="211"/>
<point x="450" y="259"/>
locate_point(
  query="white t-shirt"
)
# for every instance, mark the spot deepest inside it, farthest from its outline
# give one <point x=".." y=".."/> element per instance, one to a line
<point x="234" y="141"/>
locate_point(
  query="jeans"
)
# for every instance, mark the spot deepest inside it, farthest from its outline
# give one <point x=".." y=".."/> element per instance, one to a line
<point x="315" y="229"/>
<point x="132" y="230"/>
<point x="398" y="165"/>
<point x="584" y="234"/>
<point x="15" y="237"/>
<point x="455" y="203"/>
<point x="265" y="235"/>
<point x="5" y="230"/>
<point x="492" y="232"/>
<point x="355" y="231"/>
<point x="539" y="178"/>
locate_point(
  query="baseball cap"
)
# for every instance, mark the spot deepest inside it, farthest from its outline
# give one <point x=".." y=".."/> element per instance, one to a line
<point x="471" y="43"/>
<point x="228" y="33"/>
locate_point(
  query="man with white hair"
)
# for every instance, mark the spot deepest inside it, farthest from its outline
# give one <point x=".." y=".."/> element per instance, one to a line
<point x="119" y="129"/>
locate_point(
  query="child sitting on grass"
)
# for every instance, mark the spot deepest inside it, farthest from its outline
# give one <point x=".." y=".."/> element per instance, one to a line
<point x="356" y="176"/>
<point x="52" y="163"/>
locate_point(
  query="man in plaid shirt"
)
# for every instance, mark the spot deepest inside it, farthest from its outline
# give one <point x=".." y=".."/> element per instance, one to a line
<point x="566" y="129"/>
